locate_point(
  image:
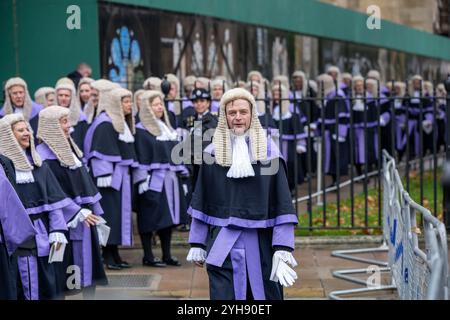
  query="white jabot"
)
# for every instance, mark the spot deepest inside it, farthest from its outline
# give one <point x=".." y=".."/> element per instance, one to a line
<point x="126" y="136"/>
<point x="77" y="164"/>
<point x="166" y="133"/>
<point x="241" y="165"/>
<point x="359" y="104"/>
<point x="416" y="96"/>
<point x="18" y="110"/>
<point x="276" y="114"/>
<point x="24" y="177"/>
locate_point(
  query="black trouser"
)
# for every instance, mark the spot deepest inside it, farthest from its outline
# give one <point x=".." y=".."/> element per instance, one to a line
<point x="165" y="235"/>
<point x="111" y="254"/>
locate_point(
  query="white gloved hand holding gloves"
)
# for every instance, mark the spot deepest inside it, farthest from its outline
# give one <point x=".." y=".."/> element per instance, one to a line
<point x="281" y="272"/>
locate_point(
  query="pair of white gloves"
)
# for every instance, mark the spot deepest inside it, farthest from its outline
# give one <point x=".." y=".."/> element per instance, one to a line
<point x="339" y="138"/>
<point x="281" y="272"/>
<point x="59" y="237"/>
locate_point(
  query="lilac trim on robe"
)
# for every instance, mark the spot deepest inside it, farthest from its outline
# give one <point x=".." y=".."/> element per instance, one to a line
<point x="102" y="117"/>
<point x="186" y="103"/>
<point x="28" y="272"/>
<point x="243" y="247"/>
<point x="163" y="166"/>
<point x="35" y="109"/>
<point x="368" y="124"/>
<point x="245" y="223"/>
<point x="283" y="235"/>
<point x="198" y="232"/>
<point x="139" y="175"/>
<point x="101" y="167"/>
<point x="214" y="106"/>
<point x="291" y="137"/>
<point x="16" y="225"/>
<point x="342" y="130"/>
<point x="49" y="207"/>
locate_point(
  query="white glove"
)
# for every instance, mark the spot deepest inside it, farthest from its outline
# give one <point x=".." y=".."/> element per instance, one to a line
<point x="185" y="189"/>
<point x="316" y="146"/>
<point x="281" y="272"/>
<point x="196" y="255"/>
<point x="383" y="122"/>
<point x="144" y="186"/>
<point x="80" y="217"/>
<point x="104" y="182"/>
<point x="427" y="126"/>
<point x="340" y="139"/>
<point x="301" y="148"/>
<point x="57" y="237"/>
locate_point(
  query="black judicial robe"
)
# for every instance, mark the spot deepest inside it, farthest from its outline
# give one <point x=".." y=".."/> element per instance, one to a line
<point x="12" y="213"/>
<point x="107" y="155"/>
<point x="241" y="223"/>
<point x="83" y="249"/>
<point x="49" y="209"/>
<point x="164" y="204"/>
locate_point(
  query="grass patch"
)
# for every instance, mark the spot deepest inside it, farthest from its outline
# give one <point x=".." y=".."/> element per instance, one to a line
<point x="364" y="220"/>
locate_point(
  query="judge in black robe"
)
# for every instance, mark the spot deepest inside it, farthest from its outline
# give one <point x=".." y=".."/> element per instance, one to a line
<point x="242" y="214"/>
<point x="161" y="202"/>
<point x="15" y="230"/>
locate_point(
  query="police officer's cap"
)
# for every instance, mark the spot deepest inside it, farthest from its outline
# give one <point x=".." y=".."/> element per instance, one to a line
<point x="200" y="93"/>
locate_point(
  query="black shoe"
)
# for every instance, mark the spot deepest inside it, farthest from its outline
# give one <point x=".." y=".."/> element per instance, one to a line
<point x="124" y="265"/>
<point x="173" y="262"/>
<point x="113" y="266"/>
<point x="155" y="263"/>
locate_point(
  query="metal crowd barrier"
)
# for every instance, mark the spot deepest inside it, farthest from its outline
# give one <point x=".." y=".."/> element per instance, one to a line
<point x="417" y="271"/>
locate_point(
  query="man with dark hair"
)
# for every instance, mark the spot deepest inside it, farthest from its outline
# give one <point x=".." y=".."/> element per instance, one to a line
<point x="83" y="70"/>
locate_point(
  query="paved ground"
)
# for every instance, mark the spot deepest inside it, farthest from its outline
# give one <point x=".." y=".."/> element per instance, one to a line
<point x="189" y="282"/>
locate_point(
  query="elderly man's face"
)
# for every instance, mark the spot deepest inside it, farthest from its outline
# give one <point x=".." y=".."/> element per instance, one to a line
<point x="298" y="83"/>
<point x="64" y="96"/>
<point x="17" y="94"/>
<point x="239" y="116"/>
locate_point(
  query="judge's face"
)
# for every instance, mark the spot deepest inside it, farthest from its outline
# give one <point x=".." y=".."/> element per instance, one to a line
<point x="173" y="91"/>
<point x="255" y="91"/>
<point x="157" y="107"/>
<point x="276" y="95"/>
<point x="334" y="75"/>
<point x="359" y="87"/>
<point x="85" y="92"/>
<point x="63" y="96"/>
<point x="17" y="94"/>
<point x="416" y="84"/>
<point x="255" y="78"/>
<point x="94" y="97"/>
<point x="298" y="83"/>
<point x="65" y="125"/>
<point x="127" y="105"/>
<point x="239" y="116"/>
<point x="51" y="99"/>
<point x="217" y="91"/>
<point x="22" y="134"/>
<point x="201" y="105"/>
